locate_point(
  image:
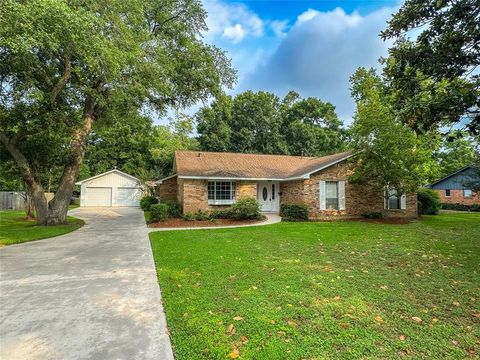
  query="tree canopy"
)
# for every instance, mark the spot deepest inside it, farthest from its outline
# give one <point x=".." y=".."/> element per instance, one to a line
<point x="433" y="75"/>
<point x="390" y="154"/>
<point x="68" y="67"/>
<point x="262" y="123"/>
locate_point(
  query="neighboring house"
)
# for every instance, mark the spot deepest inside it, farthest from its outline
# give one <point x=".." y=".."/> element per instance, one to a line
<point x="207" y="181"/>
<point x="112" y="188"/>
<point x="454" y="188"/>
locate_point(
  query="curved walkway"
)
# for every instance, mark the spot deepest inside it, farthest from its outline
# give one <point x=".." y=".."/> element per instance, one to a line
<point x="271" y="219"/>
<point x="89" y="294"/>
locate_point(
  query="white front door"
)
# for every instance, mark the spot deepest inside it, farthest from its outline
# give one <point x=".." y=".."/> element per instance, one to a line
<point x="268" y="195"/>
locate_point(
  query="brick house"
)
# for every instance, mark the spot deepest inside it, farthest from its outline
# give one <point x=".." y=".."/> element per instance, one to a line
<point x="455" y="189"/>
<point x="207" y="180"/>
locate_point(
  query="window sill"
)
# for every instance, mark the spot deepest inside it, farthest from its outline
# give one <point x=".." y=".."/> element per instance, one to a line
<point x="221" y="202"/>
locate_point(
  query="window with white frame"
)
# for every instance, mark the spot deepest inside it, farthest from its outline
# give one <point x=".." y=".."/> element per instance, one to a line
<point x="331" y="195"/>
<point x="395" y="200"/>
<point x="467" y="193"/>
<point x="221" y="192"/>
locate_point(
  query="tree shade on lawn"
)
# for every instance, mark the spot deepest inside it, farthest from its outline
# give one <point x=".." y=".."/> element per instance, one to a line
<point x="339" y="290"/>
<point x="15" y="229"/>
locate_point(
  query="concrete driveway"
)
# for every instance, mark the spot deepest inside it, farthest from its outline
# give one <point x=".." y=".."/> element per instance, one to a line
<point x="90" y="294"/>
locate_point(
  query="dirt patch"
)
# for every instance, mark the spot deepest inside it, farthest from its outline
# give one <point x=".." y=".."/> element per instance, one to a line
<point x="180" y="223"/>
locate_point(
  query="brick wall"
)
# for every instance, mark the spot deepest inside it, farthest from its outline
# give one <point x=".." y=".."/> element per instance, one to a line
<point x="168" y="189"/>
<point x="456" y="196"/>
<point x="359" y="199"/>
<point x="245" y="189"/>
<point x="195" y="195"/>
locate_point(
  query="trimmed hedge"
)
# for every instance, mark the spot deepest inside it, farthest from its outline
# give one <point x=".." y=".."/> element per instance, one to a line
<point x="246" y="208"/>
<point x="461" y="207"/>
<point x="294" y="211"/>
<point x="147" y="201"/>
<point x="158" y="212"/>
<point x="174" y="209"/>
<point x="429" y="202"/>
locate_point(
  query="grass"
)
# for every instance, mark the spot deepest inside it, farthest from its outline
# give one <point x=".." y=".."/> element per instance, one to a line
<point x="15" y="229"/>
<point x="331" y="290"/>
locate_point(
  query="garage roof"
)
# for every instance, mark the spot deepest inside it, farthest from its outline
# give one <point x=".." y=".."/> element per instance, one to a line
<point x="106" y="173"/>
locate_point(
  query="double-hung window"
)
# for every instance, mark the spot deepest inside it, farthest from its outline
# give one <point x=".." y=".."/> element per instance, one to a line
<point x="447" y="192"/>
<point x="395" y="201"/>
<point x="332" y="195"/>
<point x="467" y="193"/>
<point x="221" y="192"/>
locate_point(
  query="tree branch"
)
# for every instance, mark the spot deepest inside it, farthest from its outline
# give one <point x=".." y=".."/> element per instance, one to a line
<point x="67" y="74"/>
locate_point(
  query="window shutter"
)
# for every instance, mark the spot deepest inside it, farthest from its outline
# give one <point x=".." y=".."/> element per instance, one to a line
<point x="403" y="202"/>
<point x="323" y="201"/>
<point x="341" y="195"/>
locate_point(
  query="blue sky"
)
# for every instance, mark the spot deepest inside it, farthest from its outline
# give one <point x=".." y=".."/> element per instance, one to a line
<point x="311" y="47"/>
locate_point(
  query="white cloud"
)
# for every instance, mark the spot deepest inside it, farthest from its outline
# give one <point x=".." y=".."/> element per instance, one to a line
<point x="319" y="54"/>
<point x="235" y="33"/>
<point x="231" y="21"/>
<point x="279" y="27"/>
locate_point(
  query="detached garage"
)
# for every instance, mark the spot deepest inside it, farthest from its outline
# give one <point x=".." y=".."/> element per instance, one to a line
<point x="113" y="188"/>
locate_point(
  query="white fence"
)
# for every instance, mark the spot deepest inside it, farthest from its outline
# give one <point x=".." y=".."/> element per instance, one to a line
<point x="15" y="200"/>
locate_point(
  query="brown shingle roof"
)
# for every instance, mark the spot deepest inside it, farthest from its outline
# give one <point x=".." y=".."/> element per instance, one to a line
<point x="236" y="165"/>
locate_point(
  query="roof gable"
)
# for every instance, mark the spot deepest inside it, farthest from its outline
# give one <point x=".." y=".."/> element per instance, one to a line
<point x="456" y="179"/>
<point x="106" y="173"/>
<point x="251" y="166"/>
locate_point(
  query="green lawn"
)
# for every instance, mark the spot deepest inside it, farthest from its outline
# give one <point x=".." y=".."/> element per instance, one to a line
<point x="326" y="290"/>
<point x="15" y="229"/>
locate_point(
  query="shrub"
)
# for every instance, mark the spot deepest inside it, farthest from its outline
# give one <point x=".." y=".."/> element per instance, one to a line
<point x="174" y="209"/>
<point x="461" y="207"/>
<point x="159" y="212"/>
<point x="428" y="202"/>
<point x="294" y="211"/>
<point x="221" y="214"/>
<point x="246" y="208"/>
<point x="189" y="216"/>
<point x="202" y="215"/>
<point x="147" y="201"/>
<point x="373" y="215"/>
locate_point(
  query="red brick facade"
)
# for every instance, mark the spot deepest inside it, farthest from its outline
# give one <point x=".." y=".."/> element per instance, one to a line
<point x="457" y="197"/>
<point x="192" y="194"/>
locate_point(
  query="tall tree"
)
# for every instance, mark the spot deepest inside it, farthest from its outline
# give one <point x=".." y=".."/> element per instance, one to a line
<point x="261" y="123"/>
<point x="124" y="145"/>
<point x="390" y="154"/>
<point x="310" y="126"/>
<point x="67" y="66"/>
<point x="432" y="76"/>
<point x="455" y="154"/>
<point x="177" y="135"/>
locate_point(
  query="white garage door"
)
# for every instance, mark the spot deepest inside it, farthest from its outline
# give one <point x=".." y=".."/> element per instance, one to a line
<point x="127" y="196"/>
<point x="98" y="196"/>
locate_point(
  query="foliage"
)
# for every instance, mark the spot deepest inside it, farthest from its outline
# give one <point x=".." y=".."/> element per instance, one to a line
<point x="461" y="207"/>
<point x="189" y="216"/>
<point x="389" y="153"/>
<point x="221" y="214"/>
<point x="174" y="209"/>
<point x="201" y="215"/>
<point x="124" y="145"/>
<point x="68" y="67"/>
<point x="147" y="201"/>
<point x="373" y="215"/>
<point x="431" y="73"/>
<point x="261" y="123"/>
<point x="177" y="135"/>
<point x="361" y="283"/>
<point x="158" y="212"/>
<point x="15" y="228"/>
<point x="455" y="154"/>
<point x="429" y="202"/>
<point x="246" y="208"/>
<point x="294" y="211"/>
